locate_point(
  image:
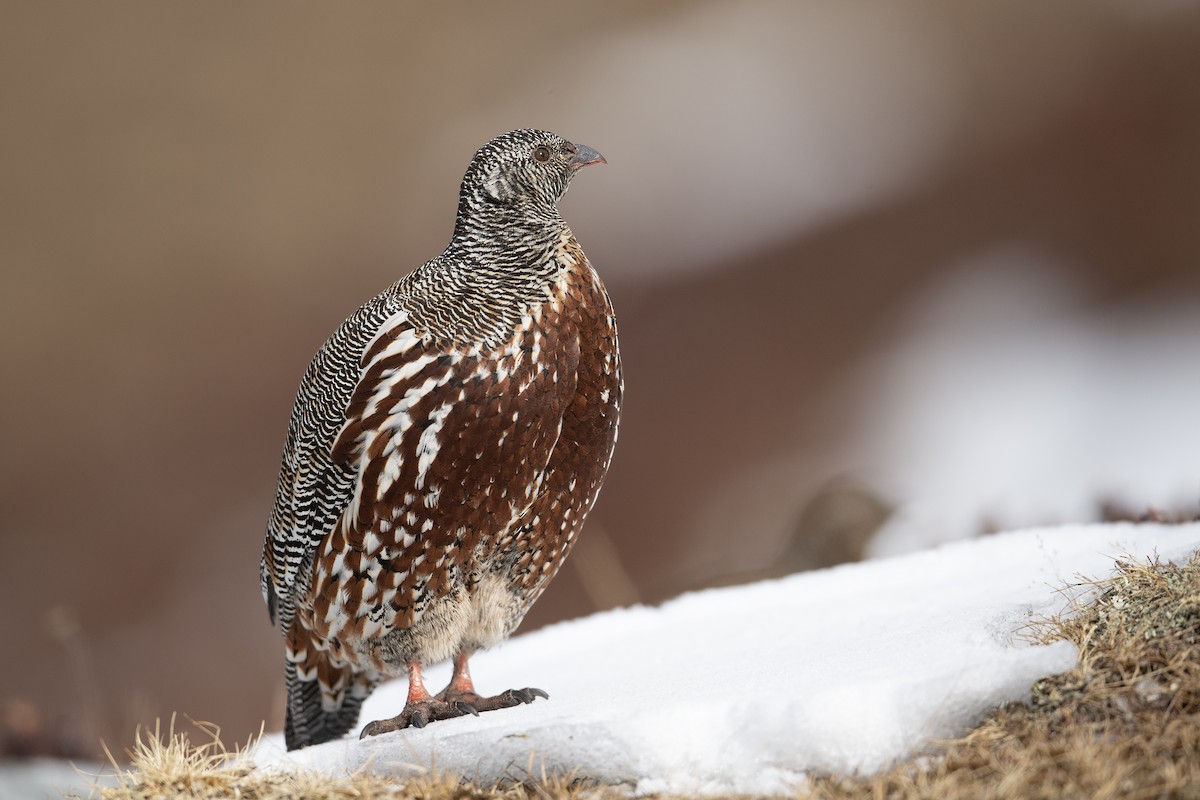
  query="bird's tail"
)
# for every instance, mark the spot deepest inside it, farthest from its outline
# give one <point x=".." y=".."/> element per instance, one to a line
<point x="323" y="699"/>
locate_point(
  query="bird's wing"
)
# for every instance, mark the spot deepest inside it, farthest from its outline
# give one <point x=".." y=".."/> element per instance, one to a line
<point x="449" y="444"/>
<point x="313" y="490"/>
<point x="446" y="444"/>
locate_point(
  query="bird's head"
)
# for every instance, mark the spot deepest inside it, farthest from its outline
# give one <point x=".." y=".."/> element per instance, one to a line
<point x="528" y="170"/>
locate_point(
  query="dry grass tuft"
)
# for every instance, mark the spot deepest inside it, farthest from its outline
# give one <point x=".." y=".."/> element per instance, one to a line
<point x="1125" y="723"/>
<point x="169" y="765"/>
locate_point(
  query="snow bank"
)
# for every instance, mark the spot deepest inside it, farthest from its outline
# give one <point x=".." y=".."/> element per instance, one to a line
<point x="745" y="689"/>
<point x="1008" y="398"/>
<point x="43" y="778"/>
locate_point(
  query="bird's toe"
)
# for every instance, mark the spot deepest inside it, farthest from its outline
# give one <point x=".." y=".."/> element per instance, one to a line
<point x="466" y="708"/>
<point x="379" y="726"/>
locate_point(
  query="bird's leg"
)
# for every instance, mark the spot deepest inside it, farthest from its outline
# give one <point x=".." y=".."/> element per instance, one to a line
<point x="460" y="692"/>
<point x="421" y="708"/>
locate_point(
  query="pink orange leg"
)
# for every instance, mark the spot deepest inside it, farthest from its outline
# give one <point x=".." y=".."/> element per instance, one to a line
<point x="461" y="695"/>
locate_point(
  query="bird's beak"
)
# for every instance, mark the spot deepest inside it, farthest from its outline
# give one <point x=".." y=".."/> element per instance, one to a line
<point x="585" y="157"/>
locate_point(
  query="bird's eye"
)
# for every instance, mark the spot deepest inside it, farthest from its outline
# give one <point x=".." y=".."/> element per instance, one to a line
<point x="542" y="153"/>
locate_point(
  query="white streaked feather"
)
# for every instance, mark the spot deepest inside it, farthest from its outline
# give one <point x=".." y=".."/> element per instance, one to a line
<point x="429" y="445"/>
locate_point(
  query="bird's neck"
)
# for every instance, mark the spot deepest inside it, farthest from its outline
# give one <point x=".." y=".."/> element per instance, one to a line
<point x="516" y="238"/>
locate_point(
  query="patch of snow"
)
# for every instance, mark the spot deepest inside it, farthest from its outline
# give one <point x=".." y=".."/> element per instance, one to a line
<point x="42" y="778"/>
<point x="746" y="689"/>
<point x="1009" y="400"/>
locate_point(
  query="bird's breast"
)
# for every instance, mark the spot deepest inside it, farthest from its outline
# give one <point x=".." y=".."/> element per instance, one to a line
<point x="475" y="461"/>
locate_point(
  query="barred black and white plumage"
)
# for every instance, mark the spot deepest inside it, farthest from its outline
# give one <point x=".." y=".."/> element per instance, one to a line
<point x="447" y="442"/>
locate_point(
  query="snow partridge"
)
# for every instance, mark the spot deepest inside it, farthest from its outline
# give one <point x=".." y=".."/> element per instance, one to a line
<point x="446" y="444"/>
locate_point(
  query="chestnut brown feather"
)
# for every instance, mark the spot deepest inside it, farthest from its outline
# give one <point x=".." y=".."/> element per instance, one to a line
<point x="447" y="443"/>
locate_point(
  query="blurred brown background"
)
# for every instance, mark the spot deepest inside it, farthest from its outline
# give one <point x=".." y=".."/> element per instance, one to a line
<point x="193" y="195"/>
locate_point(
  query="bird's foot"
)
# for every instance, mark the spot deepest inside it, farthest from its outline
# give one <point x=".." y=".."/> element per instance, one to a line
<point x="470" y="702"/>
<point x="447" y="705"/>
<point x="416" y="714"/>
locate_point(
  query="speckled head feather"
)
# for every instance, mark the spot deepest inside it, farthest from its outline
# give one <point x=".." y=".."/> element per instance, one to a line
<point x="523" y="172"/>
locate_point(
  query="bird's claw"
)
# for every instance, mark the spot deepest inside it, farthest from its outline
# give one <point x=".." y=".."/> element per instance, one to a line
<point x="522" y="695"/>
<point x="528" y="694"/>
<point x="377" y="727"/>
<point x="466" y="708"/>
<point x="416" y="714"/>
<point x="448" y="705"/>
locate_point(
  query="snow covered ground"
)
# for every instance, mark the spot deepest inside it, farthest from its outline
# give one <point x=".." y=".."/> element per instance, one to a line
<point x="1008" y="398"/>
<point x="41" y="778"/>
<point x="745" y="689"/>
